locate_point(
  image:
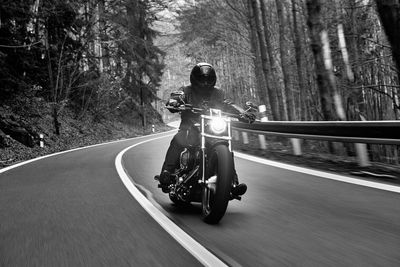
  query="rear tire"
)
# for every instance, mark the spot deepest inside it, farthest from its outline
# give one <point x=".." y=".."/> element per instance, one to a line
<point x="216" y="195"/>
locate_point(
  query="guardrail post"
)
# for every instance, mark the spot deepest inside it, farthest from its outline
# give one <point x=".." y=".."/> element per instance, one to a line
<point x="296" y="146"/>
<point x="361" y="150"/>
<point x="263" y="112"/>
<point x="263" y="143"/>
<point x="235" y="134"/>
<point x="362" y="155"/>
<point x="245" y="138"/>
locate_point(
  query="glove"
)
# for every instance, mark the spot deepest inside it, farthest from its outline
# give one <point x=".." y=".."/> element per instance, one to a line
<point x="173" y="103"/>
<point x="247" y="117"/>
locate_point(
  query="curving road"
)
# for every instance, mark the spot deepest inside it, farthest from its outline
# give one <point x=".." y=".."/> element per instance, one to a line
<point x="72" y="209"/>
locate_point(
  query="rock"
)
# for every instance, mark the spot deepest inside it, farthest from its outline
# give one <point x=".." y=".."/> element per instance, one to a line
<point x="16" y="131"/>
<point x="3" y="138"/>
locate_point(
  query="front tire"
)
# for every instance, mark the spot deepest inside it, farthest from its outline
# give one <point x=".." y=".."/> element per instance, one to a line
<point x="216" y="191"/>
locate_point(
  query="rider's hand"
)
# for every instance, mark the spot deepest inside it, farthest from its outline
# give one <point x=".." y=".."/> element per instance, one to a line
<point x="172" y="105"/>
<point x="176" y="100"/>
<point x="247" y="117"/>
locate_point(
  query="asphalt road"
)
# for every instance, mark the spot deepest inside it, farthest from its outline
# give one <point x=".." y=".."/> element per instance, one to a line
<point x="73" y="210"/>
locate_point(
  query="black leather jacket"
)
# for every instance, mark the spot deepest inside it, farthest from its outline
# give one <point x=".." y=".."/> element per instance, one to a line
<point x="212" y="99"/>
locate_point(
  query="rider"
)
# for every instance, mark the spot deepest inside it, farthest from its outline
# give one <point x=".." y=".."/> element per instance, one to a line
<point x="200" y="93"/>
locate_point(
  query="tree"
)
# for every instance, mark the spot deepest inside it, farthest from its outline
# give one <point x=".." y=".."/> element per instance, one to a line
<point x="285" y="61"/>
<point x="265" y="59"/>
<point x="300" y="61"/>
<point x="67" y="51"/>
<point x="142" y="58"/>
<point x="19" y="49"/>
<point x="217" y="32"/>
<point x="389" y="12"/>
<point x="325" y="88"/>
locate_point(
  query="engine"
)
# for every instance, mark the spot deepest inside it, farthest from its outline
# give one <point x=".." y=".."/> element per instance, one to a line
<point x="189" y="158"/>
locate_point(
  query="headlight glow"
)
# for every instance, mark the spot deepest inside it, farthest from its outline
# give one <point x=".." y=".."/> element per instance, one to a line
<point x="218" y="125"/>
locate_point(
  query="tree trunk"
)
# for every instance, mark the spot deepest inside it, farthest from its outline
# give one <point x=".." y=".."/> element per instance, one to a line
<point x="389" y="12"/>
<point x="285" y="62"/>
<point x="355" y="100"/>
<point x="273" y="100"/>
<point x="315" y="25"/>
<point x="277" y="89"/>
<point x="300" y="62"/>
<point x="52" y="86"/>
<point x="255" y="48"/>
<point x="103" y="33"/>
<point x="143" y="108"/>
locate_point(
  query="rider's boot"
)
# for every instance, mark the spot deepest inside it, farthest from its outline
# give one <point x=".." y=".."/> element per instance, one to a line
<point x="165" y="180"/>
<point x="237" y="189"/>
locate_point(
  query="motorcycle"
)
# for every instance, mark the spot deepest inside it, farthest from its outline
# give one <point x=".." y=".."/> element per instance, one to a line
<point x="206" y="168"/>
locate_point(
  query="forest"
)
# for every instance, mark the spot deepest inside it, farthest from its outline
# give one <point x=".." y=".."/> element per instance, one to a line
<point x="91" y="56"/>
<point x="306" y="60"/>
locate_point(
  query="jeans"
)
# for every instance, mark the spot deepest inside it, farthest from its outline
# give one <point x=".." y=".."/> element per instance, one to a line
<point x="177" y="145"/>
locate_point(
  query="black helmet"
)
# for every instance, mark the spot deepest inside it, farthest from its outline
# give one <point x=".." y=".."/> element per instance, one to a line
<point x="203" y="76"/>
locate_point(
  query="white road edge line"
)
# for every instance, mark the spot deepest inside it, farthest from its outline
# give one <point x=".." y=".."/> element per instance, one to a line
<point x="191" y="245"/>
<point x="322" y="174"/>
<point x="75" y="149"/>
<point x="201" y="253"/>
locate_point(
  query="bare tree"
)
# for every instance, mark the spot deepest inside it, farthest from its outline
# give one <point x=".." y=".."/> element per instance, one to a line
<point x="389" y="12"/>
<point x="285" y="61"/>
<point x="300" y="60"/>
<point x="266" y="66"/>
<point x="316" y="27"/>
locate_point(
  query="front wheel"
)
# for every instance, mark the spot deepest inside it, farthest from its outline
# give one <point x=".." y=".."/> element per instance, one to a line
<point x="216" y="191"/>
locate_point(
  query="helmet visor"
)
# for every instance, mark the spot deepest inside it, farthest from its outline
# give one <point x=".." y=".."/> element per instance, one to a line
<point x="205" y="80"/>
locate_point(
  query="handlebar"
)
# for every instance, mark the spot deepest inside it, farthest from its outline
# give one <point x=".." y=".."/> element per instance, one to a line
<point x="184" y="107"/>
<point x="188" y="107"/>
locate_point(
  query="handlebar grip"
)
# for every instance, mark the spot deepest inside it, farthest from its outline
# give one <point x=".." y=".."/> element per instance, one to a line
<point x="173" y="109"/>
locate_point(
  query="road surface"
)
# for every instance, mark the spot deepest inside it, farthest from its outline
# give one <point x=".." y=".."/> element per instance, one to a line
<point x="73" y="209"/>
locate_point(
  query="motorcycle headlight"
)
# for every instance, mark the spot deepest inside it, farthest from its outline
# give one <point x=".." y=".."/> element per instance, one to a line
<point x="218" y="125"/>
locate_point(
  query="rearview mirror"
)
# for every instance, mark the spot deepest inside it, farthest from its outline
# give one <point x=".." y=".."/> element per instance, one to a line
<point x="251" y="105"/>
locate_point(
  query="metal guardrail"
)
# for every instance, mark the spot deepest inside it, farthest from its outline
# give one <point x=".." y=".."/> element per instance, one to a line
<point x="372" y="132"/>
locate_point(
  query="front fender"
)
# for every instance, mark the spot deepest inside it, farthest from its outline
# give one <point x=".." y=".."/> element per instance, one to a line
<point x="211" y="143"/>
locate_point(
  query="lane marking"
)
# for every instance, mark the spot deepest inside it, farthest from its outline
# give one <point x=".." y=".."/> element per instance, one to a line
<point x="322" y="174"/>
<point x="75" y="149"/>
<point x="191" y="245"/>
<point x="196" y="249"/>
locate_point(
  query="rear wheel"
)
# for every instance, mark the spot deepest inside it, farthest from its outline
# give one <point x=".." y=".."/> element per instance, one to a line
<point x="216" y="191"/>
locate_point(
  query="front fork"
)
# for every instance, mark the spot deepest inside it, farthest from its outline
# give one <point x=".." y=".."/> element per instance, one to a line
<point x="203" y="149"/>
<point x="203" y="154"/>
